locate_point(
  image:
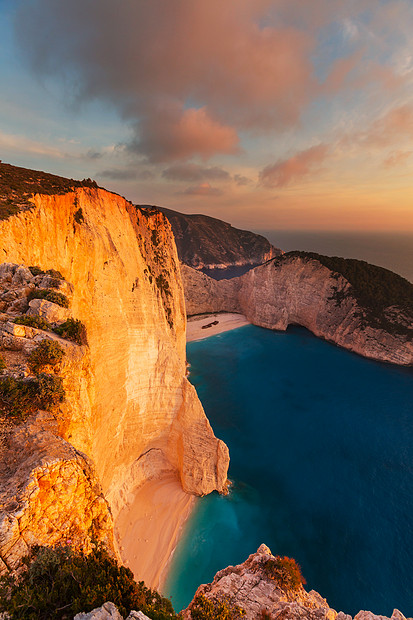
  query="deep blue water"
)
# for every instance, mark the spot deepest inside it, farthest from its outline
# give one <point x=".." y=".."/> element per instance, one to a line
<point x="321" y="445"/>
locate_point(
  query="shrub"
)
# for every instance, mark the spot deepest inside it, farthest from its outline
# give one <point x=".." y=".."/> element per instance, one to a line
<point x="203" y="608"/>
<point x="285" y="571"/>
<point x="19" y="398"/>
<point x="60" y="582"/>
<point x="48" y="353"/>
<point x="32" y="321"/>
<point x="2" y="363"/>
<point x="36" y="271"/>
<point x="50" y="391"/>
<point x="49" y="295"/>
<point x="72" y="329"/>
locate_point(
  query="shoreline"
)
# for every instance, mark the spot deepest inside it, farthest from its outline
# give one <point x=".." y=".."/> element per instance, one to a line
<point x="225" y="321"/>
<point x="148" y="529"/>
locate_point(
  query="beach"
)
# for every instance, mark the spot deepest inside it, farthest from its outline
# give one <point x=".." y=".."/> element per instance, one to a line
<point x="223" y="322"/>
<point x="148" y="529"/>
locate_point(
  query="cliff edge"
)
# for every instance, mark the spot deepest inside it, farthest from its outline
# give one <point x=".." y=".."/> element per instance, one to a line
<point x="129" y="411"/>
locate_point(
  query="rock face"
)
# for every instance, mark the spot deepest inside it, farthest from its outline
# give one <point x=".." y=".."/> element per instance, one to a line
<point x="248" y="586"/>
<point x="206" y="242"/>
<point x="129" y="408"/>
<point x="299" y="290"/>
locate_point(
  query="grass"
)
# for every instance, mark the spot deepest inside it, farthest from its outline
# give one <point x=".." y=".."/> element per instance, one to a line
<point x="49" y="295"/>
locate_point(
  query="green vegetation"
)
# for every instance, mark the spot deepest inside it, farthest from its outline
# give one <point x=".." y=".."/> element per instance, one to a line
<point x="72" y="329"/>
<point x="18" y="185"/>
<point x="50" y="295"/>
<point x="36" y="271"/>
<point x="285" y="571"/>
<point x="2" y="363"/>
<point x="33" y="321"/>
<point x="205" y="609"/>
<point x="48" y="353"/>
<point x="19" y="398"/>
<point x="59" y="582"/>
<point x="374" y="288"/>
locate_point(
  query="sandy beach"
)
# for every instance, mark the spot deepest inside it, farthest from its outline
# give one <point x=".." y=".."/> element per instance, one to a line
<point x="225" y="322"/>
<point x="147" y="530"/>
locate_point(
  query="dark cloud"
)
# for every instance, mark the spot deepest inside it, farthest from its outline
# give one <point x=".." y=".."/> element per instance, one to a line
<point x="188" y="76"/>
<point x="193" y="173"/>
<point x="241" y="180"/>
<point x="125" y="174"/>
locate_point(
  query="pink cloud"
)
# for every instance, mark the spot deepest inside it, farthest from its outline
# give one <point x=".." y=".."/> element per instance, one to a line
<point x="300" y="165"/>
<point x="397" y="158"/>
<point x="203" y="189"/>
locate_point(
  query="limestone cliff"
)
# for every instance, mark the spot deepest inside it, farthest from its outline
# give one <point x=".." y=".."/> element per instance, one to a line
<point x="250" y="587"/>
<point x="129" y="411"/>
<point x="299" y="289"/>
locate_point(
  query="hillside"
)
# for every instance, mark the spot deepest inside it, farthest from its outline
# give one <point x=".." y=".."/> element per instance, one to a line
<point x="205" y="242"/>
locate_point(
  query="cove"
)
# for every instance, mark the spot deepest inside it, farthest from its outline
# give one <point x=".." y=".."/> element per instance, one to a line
<point x="321" y="445"/>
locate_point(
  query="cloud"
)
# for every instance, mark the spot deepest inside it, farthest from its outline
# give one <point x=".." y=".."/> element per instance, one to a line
<point x="300" y="165"/>
<point x="125" y="174"/>
<point x="203" y="189"/>
<point x="394" y="126"/>
<point x="16" y="142"/>
<point x="397" y="158"/>
<point x="241" y="180"/>
<point x="193" y="173"/>
<point x="187" y="76"/>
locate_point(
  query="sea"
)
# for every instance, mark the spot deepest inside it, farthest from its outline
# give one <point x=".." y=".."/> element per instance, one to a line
<point x="321" y="445"/>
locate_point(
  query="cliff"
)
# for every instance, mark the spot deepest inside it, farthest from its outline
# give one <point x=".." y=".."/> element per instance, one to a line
<point x="130" y="412"/>
<point x="301" y="289"/>
<point x="260" y="594"/>
<point x="205" y="242"/>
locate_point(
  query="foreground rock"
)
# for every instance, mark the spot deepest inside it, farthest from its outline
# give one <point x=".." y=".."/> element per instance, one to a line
<point x="249" y="587"/>
<point x="300" y="289"/>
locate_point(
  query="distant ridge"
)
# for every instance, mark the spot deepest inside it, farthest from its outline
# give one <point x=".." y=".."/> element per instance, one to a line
<point x="207" y="243"/>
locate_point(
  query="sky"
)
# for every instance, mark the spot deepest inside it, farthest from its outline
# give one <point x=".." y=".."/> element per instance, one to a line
<point x="269" y="114"/>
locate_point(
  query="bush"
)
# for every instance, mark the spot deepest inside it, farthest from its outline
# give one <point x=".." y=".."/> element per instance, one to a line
<point x="286" y="572"/>
<point x="60" y="582"/>
<point x="72" y="329"/>
<point x="36" y="271"/>
<point x="49" y="295"/>
<point x="2" y="363"/>
<point x="203" y="608"/>
<point x="33" y="321"/>
<point x="48" y="353"/>
<point x="19" y="398"/>
<point x="50" y="391"/>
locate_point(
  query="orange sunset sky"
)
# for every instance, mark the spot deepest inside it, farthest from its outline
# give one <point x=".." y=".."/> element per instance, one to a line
<point x="270" y="114"/>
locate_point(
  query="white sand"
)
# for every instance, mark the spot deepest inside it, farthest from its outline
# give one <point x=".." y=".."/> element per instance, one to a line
<point x="226" y="321"/>
<point x="147" y="530"/>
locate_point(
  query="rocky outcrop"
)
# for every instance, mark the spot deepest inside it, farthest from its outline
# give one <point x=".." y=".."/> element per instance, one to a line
<point x="50" y="493"/>
<point x="250" y="587"/>
<point x="109" y="611"/>
<point x="129" y="409"/>
<point x="300" y="290"/>
<point x="206" y="242"/>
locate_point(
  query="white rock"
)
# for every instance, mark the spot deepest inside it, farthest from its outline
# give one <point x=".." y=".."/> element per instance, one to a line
<point x="48" y="310"/>
<point x="108" y="611"/>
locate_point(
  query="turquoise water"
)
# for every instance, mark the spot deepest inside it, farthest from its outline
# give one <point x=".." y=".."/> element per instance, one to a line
<point x="321" y="445"/>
